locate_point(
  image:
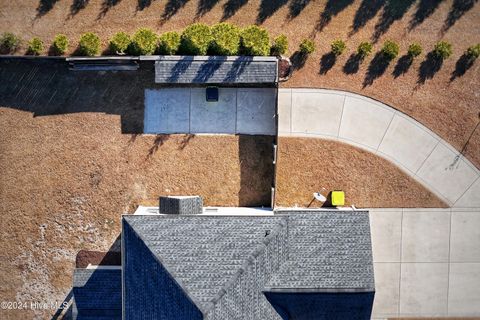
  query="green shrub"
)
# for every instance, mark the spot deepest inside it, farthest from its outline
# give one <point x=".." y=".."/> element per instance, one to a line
<point x="226" y="39"/>
<point x="473" y="52"/>
<point x="89" y="44"/>
<point x="414" y="50"/>
<point x="120" y="43"/>
<point x="196" y="39"/>
<point x="144" y="42"/>
<point x="442" y="50"/>
<point x="255" y="41"/>
<point x="364" y="49"/>
<point x="280" y="45"/>
<point x="9" y="42"/>
<point x="60" y="44"/>
<point x="307" y="46"/>
<point x="35" y="46"/>
<point x="390" y="49"/>
<point x="168" y="43"/>
<point x="338" y="46"/>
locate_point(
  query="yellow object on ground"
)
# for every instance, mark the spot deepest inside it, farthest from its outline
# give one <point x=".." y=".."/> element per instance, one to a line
<point x="338" y="198"/>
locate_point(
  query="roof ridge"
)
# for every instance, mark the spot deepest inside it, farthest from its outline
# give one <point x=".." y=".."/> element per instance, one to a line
<point x="170" y="273"/>
<point x="281" y="226"/>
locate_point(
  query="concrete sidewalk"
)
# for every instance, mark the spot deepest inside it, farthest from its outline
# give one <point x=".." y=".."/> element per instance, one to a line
<point x="185" y="110"/>
<point x="426" y="262"/>
<point x="382" y="130"/>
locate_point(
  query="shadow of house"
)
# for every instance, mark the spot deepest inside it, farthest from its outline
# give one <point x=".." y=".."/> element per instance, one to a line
<point x="402" y="66"/>
<point x="458" y="9"/>
<point x="332" y="8"/>
<point x="268" y="8"/>
<point x="298" y="60"/>
<point x="107" y="5"/>
<point x="425" y="8"/>
<point x="464" y="63"/>
<point x="429" y="67"/>
<point x="171" y="8"/>
<point x="376" y="69"/>
<point x="353" y="64"/>
<point x="327" y="62"/>
<point x="392" y="11"/>
<point x="367" y="11"/>
<point x="47" y="87"/>
<point x="231" y="7"/>
<point x="296" y="7"/>
<point x="44" y="6"/>
<point x="142" y="4"/>
<point x="77" y="5"/>
<point x="204" y="6"/>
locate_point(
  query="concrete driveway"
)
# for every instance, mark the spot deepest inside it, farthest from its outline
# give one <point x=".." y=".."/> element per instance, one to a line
<point x="185" y="110"/>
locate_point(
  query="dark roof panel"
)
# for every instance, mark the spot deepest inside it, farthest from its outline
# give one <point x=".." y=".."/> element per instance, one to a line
<point x="215" y="70"/>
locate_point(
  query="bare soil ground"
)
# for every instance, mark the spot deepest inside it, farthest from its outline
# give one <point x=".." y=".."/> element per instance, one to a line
<point x="307" y="165"/>
<point x="445" y="100"/>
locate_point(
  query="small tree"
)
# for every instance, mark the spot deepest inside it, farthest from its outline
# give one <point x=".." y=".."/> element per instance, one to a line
<point x="144" y="42"/>
<point x="196" y="39"/>
<point x="225" y="39"/>
<point x="35" y="46"/>
<point x="9" y="42"/>
<point x="414" y="50"/>
<point x="338" y="47"/>
<point x="89" y="44"/>
<point x="473" y="52"/>
<point x="307" y="46"/>
<point x="442" y="50"/>
<point x="120" y="43"/>
<point x="280" y="45"/>
<point x="255" y="41"/>
<point x="60" y="44"/>
<point x="364" y="49"/>
<point x="168" y="43"/>
<point x="390" y="50"/>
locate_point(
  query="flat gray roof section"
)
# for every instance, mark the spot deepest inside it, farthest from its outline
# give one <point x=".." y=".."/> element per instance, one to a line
<point x="214" y="69"/>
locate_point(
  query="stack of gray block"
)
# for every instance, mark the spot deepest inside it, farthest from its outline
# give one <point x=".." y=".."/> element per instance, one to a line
<point x="181" y="205"/>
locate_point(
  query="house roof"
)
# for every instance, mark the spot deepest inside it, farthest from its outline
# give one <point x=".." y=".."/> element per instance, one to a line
<point x="215" y="70"/>
<point x="212" y="258"/>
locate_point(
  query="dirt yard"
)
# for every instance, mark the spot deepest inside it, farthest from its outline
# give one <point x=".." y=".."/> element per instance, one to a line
<point x="369" y="181"/>
<point x="67" y="179"/>
<point x="445" y="101"/>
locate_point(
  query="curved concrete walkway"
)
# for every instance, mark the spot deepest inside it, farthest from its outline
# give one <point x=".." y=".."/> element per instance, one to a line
<point x="384" y="131"/>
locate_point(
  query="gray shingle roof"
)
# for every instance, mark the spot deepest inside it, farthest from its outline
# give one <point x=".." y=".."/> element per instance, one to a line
<point x="224" y="263"/>
<point x="215" y="70"/>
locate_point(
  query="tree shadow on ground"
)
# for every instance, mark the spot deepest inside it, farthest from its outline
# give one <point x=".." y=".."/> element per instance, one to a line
<point x="429" y="67"/>
<point x="142" y="4"/>
<point x="185" y="141"/>
<point x="107" y="5"/>
<point x="231" y="7"/>
<point x="157" y="143"/>
<point x="458" y="9"/>
<point x="368" y="10"/>
<point x="392" y="11"/>
<point x="376" y="69"/>
<point x="464" y="63"/>
<point x="327" y="62"/>
<point x="44" y="6"/>
<point x="77" y="5"/>
<point x="171" y="8"/>
<point x="204" y="6"/>
<point x="332" y="8"/>
<point x="46" y="86"/>
<point x="296" y="7"/>
<point x="268" y="8"/>
<point x="425" y="8"/>
<point x="298" y="60"/>
<point x="353" y="64"/>
<point x="402" y="66"/>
